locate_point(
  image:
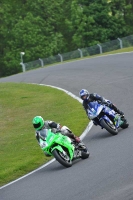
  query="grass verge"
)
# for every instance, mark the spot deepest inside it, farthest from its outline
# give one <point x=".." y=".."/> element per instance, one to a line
<point x="19" y="103"/>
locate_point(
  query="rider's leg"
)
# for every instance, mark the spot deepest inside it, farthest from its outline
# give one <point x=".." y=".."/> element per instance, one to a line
<point x="116" y="109"/>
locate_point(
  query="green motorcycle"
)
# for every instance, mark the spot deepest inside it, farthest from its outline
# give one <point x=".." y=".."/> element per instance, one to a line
<point x="61" y="147"/>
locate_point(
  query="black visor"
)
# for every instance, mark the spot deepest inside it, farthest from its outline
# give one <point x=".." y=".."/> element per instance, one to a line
<point x="82" y="97"/>
<point x="37" y="125"/>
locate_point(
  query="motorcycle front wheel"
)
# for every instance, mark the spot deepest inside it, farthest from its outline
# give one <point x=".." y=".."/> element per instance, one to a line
<point x="109" y="127"/>
<point x="62" y="158"/>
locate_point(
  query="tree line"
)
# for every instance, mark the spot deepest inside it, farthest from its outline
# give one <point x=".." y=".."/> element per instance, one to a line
<point x="42" y="28"/>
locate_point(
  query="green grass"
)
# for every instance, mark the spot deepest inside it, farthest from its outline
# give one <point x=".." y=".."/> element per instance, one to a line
<point x="19" y="103"/>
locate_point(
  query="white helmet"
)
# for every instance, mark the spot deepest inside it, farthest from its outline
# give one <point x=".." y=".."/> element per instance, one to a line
<point x="82" y="93"/>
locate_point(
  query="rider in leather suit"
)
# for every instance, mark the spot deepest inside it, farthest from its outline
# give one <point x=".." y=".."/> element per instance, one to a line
<point x="39" y="124"/>
<point x="86" y="97"/>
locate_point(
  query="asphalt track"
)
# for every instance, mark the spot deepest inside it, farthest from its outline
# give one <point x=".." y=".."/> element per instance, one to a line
<point x="108" y="173"/>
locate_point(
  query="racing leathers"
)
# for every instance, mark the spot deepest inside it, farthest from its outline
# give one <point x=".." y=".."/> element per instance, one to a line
<point x="56" y="127"/>
<point x="95" y="97"/>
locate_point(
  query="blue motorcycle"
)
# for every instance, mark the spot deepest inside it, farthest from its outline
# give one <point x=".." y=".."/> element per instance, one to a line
<point x="105" y="117"/>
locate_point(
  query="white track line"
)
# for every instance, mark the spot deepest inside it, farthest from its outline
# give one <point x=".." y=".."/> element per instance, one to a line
<point x="82" y="136"/>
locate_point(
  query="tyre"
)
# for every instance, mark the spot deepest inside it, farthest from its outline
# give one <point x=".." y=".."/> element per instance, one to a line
<point x="61" y="158"/>
<point x="109" y="127"/>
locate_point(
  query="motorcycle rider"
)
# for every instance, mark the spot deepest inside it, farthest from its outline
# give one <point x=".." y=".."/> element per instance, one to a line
<point x="39" y="124"/>
<point x="90" y="97"/>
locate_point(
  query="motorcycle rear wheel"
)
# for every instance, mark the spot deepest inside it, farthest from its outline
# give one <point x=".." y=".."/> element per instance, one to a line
<point x="65" y="161"/>
<point x="111" y="129"/>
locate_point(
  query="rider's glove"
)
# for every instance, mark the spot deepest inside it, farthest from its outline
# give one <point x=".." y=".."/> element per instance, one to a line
<point x="59" y="126"/>
<point x="77" y="139"/>
<point x="104" y="103"/>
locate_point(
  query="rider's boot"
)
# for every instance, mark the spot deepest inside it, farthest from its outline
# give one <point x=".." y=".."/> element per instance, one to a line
<point x="80" y="144"/>
<point x="117" y="110"/>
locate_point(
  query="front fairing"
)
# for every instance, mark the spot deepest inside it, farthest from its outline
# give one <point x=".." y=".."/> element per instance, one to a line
<point x="64" y="141"/>
<point x="45" y="138"/>
<point x="107" y="114"/>
<point x="95" y="109"/>
<point x="42" y="138"/>
<point x="109" y="111"/>
<point x="43" y="133"/>
<point x="53" y="140"/>
<point x="111" y="117"/>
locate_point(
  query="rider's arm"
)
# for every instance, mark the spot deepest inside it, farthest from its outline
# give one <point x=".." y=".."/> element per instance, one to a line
<point x="85" y="106"/>
<point x="96" y="97"/>
<point x="53" y="124"/>
<point x="37" y="136"/>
